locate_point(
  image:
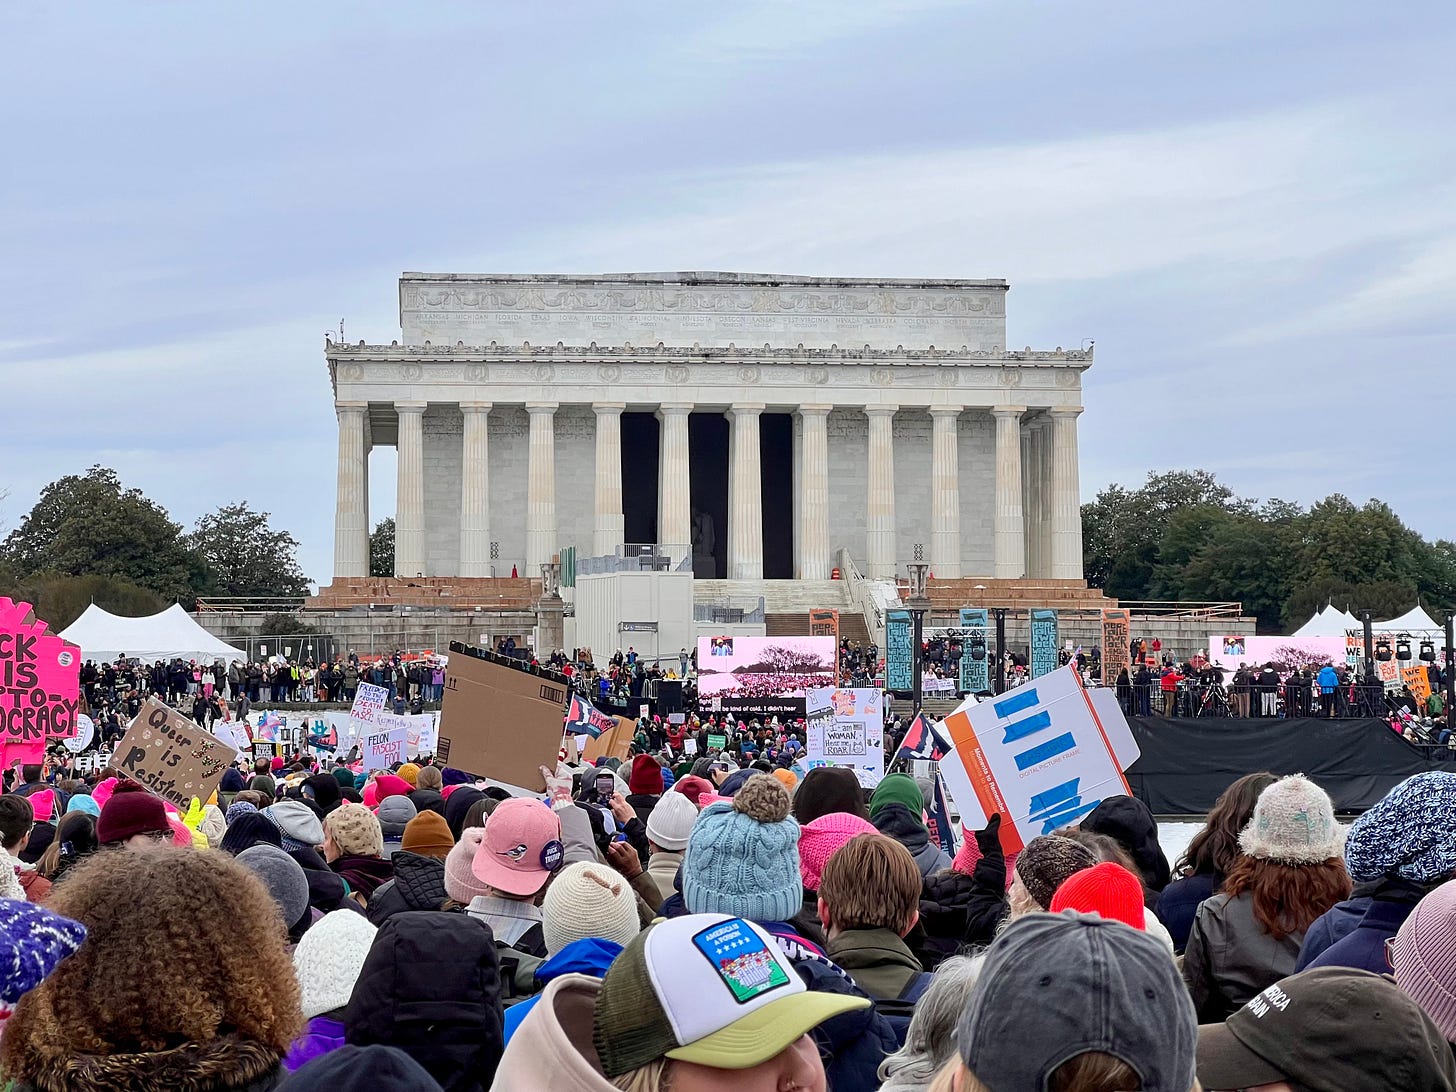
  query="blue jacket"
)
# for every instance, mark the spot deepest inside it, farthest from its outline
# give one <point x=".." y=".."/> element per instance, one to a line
<point x="1178" y="905"/>
<point x="1329" y="680"/>
<point x="1338" y="921"/>
<point x="589" y="956"/>
<point x="1364" y="947"/>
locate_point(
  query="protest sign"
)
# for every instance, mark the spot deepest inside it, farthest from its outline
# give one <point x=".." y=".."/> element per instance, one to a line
<point x="1419" y="682"/>
<point x="40" y="684"/>
<point x="499" y="721"/>
<point x="85" y="732"/>
<point x="825" y="623"/>
<point x="172" y="756"/>
<point x="369" y="701"/>
<point x="615" y="742"/>
<point x="975" y="667"/>
<point x="265" y="750"/>
<point x="690" y="745"/>
<point x="846" y="727"/>
<point x="1041" y="755"/>
<point x="898" y="652"/>
<point x="384" y="745"/>
<point x="717" y="741"/>
<point x="1116" y="642"/>
<point x="1043" y="642"/>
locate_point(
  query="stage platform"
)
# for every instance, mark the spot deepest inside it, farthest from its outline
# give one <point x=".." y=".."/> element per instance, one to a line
<point x="1187" y="762"/>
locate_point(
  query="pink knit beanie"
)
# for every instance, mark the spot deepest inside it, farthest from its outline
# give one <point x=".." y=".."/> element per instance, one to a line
<point x="1423" y="957"/>
<point x="460" y="882"/>
<point x="821" y="837"/>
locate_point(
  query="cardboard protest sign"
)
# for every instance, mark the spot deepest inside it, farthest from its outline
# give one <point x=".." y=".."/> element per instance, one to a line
<point x="171" y="755"/>
<point x="369" y="701"/>
<point x="498" y="721"/>
<point x="616" y="742"/>
<point x="384" y="746"/>
<point x="40" y="684"/>
<point x="1042" y="755"/>
<point x="846" y="727"/>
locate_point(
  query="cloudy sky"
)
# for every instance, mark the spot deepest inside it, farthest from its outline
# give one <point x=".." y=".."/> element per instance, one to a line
<point x="1250" y="206"/>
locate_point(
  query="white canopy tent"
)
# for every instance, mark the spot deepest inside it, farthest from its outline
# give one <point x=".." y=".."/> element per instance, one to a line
<point x="1328" y="622"/>
<point x="1414" y="621"/>
<point x="104" y="636"/>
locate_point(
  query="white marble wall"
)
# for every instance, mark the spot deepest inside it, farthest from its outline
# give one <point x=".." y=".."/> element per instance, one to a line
<point x="911" y="431"/>
<point x="848" y="480"/>
<point x="443" y="433"/>
<point x="508" y="431"/>
<point x="976" y="451"/>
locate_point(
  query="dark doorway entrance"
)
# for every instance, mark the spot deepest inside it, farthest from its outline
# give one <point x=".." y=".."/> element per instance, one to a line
<point x="776" y="467"/>
<point x="708" y="480"/>
<point x="640" y="447"/>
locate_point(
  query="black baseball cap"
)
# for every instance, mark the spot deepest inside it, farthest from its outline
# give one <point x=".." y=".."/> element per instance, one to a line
<point x="1331" y="1029"/>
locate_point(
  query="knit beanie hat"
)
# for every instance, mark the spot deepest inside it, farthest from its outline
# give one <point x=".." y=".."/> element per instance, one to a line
<point x="646" y="776"/>
<point x="693" y="787"/>
<point x="282" y="876"/>
<point x="82" y="802"/>
<point x="788" y="777"/>
<point x="249" y="829"/>
<point x="820" y="838"/>
<point x="344" y="776"/>
<point x="1411" y="832"/>
<point x="1105" y="889"/>
<point x="898" y="788"/>
<point x="394" y="815"/>
<point x="265" y="785"/>
<point x="1046" y="863"/>
<point x="181" y="832"/>
<point x="671" y="821"/>
<point x="131" y="810"/>
<point x="743" y="856"/>
<point x="33" y="941"/>
<point x="1423" y="956"/>
<point x="325" y="790"/>
<point x="668" y="778"/>
<point x="236" y="810"/>
<point x="1130" y="823"/>
<point x="460" y="882"/>
<point x="428" y="835"/>
<point x="1293" y="823"/>
<point x="387" y="785"/>
<point x="355" y="831"/>
<point x="43" y="805"/>
<point x="587" y="899"/>
<point x="298" y="824"/>
<point x="328" y="960"/>
<point x="214" y="826"/>
<point x="408" y="772"/>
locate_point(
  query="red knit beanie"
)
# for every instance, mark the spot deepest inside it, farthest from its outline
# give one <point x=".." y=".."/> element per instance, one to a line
<point x="646" y="776"/>
<point x="1106" y="889"/>
<point x="692" y="787"/>
<point x="131" y="810"/>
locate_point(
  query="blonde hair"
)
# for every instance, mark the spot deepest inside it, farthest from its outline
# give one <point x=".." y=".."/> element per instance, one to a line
<point x="871" y="882"/>
<point x="1091" y="1071"/>
<point x="655" y="1076"/>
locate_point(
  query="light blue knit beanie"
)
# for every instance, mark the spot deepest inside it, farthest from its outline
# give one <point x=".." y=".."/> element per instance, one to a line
<point x="743" y="856"/>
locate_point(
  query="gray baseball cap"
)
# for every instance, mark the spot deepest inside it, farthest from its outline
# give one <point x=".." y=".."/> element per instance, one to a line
<point x="1057" y="985"/>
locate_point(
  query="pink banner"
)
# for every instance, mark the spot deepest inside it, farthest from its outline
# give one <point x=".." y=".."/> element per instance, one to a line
<point x="40" y="684"/>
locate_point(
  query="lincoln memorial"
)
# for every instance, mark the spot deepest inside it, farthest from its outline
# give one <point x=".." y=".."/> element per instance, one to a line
<point x="752" y="425"/>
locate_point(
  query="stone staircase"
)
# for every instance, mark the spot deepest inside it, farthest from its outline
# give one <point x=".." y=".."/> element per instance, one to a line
<point x="438" y="592"/>
<point x="1032" y="592"/>
<point x="851" y="626"/>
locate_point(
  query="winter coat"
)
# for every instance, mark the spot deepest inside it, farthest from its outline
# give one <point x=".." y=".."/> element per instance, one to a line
<point x="1383" y="908"/>
<point x="229" y="1063"/>
<point x="590" y="956"/>
<point x="662" y="866"/>
<point x="364" y="875"/>
<point x="897" y="821"/>
<point x="1178" y="904"/>
<point x="642" y="804"/>
<point x="428" y="800"/>
<point x="361" y="1069"/>
<point x="431" y="986"/>
<point x="418" y="884"/>
<point x="852" y="1044"/>
<point x="1130" y="823"/>
<point x="1230" y="959"/>
<point x="877" y="959"/>
<point x="323" y="1035"/>
<point x="956" y="910"/>
<point x="1335" y="923"/>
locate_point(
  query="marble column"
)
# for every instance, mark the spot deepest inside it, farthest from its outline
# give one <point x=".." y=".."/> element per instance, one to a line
<point x="880" y="495"/>
<point x="608" y="534"/>
<point x="1066" y="500"/>
<point x="409" y="502"/>
<point x="945" y="493"/>
<point x="812" y="532"/>
<point x="540" y="487"/>
<point x="1043" y="449"/>
<point x="351" y="515"/>
<point x="1029" y="485"/>
<point x="1010" y="535"/>
<point x="475" y="490"/>
<point x="674" y="485"/>
<point x="745" y="494"/>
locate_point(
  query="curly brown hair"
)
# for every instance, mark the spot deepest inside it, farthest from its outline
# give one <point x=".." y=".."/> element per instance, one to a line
<point x="181" y="946"/>
<point x="1287" y="898"/>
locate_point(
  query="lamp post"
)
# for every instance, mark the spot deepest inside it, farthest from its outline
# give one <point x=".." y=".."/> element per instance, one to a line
<point x="1000" y="613"/>
<point x="918" y="603"/>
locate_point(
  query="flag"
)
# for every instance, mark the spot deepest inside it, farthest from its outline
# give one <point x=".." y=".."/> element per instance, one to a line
<point x="937" y="820"/>
<point x="922" y="741"/>
<point x="585" y="719"/>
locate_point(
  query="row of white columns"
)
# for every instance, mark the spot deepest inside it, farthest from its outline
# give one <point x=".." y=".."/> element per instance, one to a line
<point x="1035" y="483"/>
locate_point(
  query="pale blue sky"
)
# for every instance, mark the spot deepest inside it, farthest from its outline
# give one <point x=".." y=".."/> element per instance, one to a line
<point x="1250" y="206"/>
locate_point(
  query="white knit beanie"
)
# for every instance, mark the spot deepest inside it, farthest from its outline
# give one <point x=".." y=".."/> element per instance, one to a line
<point x="328" y="960"/>
<point x="588" y="900"/>
<point x="1293" y="823"/>
<point x="671" y="821"/>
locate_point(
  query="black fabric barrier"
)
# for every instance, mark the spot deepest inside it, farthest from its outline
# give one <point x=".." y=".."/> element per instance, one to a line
<point x="1186" y="763"/>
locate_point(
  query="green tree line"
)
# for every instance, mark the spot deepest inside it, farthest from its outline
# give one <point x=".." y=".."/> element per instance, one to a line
<point x="90" y="539"/>
<point x="1183" y="535"/>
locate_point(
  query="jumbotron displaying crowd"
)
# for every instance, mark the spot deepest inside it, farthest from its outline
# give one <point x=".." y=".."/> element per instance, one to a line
<point x="679" y="922"/>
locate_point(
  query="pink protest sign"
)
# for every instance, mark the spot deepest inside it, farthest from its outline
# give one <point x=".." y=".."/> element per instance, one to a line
<point x="40" y="684"/>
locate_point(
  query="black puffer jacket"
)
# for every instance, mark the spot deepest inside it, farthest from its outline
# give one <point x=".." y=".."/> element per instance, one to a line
<point x="418" y="884"/>
<point x="956" y="909"/>
<point x="431" y="987"/>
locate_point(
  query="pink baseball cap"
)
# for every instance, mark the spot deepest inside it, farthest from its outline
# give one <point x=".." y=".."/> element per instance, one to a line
<point x="521" y="847"/>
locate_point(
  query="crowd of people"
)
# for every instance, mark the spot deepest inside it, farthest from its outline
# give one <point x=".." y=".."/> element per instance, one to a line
<point x="683" y="922"/>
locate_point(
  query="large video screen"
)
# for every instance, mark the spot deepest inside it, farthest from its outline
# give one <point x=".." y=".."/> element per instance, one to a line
<point x="762" y="676"/>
